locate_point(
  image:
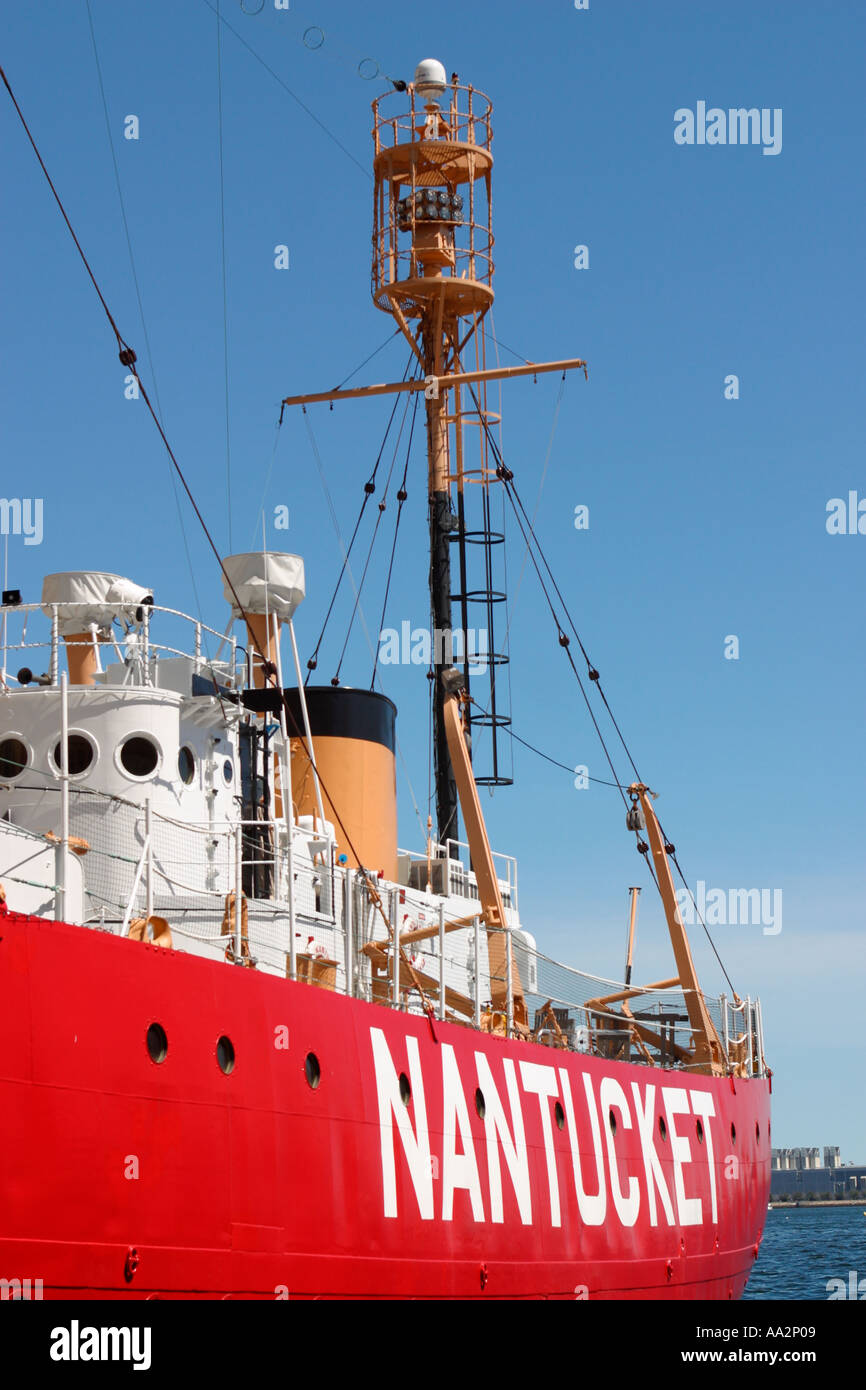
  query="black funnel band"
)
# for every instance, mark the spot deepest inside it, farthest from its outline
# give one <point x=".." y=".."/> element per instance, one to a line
<point x="341" y="712"/>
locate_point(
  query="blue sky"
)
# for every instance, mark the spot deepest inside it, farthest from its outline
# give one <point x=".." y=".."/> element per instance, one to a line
<point x="707" y="516"/>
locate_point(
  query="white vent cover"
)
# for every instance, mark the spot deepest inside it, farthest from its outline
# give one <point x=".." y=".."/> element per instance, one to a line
<point x="86" y="598"/>
<point x="265" y="582"/>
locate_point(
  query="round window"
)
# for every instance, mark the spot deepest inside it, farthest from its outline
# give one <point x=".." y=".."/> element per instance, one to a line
<point x="79" y="751"/>
<point x="139" y="756"/>
<point x="225" y="1055"/>
<point x="157" y="1043"/>
<point x="228" y="771"/>
<point x="13" y="758"/>
<point x="186" y="765"/>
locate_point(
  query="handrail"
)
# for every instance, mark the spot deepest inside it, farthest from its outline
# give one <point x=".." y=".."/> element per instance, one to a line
<point x="145" y="850"/>
<point x="138" y="639"/>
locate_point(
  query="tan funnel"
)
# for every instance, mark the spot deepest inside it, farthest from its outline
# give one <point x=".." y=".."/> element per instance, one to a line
<point x="354" y="741"/>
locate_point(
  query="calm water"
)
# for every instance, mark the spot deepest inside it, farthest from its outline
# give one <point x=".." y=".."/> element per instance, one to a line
<point x="804" y="1248"/>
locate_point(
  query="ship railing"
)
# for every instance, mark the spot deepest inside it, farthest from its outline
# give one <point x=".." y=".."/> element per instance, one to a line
<point x="464" y="116"/>
<point x="558" y="1001"/>
<point x="248" y="852"/>
<point x="347" y="938"/>
<point x="506" y="865"/>
<point x="133" y="645"/>
<point x="742" y="1035"/>
<point x="329" y="926"/>
<point x="648" y="1024"/>
<point x="137" y="860"/>
<point x="461" y="881"/>
<point x="141" y="863"/>
<point x="443" y="965"/>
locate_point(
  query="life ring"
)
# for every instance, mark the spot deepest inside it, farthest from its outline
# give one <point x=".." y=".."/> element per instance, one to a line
<point x="76" y="843"/>
<point x="228" y="929"/>
<point x="159" y="927"/>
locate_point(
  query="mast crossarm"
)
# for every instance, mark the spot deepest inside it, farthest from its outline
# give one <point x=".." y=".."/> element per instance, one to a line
<point x="709" y="1053"/>
<point x="439" y="383"/>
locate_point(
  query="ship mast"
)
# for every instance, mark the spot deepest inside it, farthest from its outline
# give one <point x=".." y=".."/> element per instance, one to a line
<point x="432" y="266"/>
<point x="432" y="271"/>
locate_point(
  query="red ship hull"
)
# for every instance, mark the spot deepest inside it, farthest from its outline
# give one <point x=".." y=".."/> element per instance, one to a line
<point x="121" y="1178"/>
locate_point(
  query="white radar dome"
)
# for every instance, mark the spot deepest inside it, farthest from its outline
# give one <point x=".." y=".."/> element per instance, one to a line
<point x="430" y="79"/>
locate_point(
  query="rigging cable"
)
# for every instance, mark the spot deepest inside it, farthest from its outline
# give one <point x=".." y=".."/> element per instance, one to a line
<point x="373" y="354"/>
<point x="507" y="477"/>
<point x="224" y="278"/>
<point x="402" y="494"/>
<point x="512" y="605"/>
<point x="313" y="117"/>
<point x="602" y="782"/>
<point x="336" y="525"/>
<point x="506" y="649"/>
<point x="564" y="642"/>
<point x="145" y="333"/>
<point x="593" y="675"/>
<point x="499" y="343"/>
<point x="282" y="410"/>
<point x="369" y="490"/>
<point x="335" y="679"/>
<point x="128" y="359"/>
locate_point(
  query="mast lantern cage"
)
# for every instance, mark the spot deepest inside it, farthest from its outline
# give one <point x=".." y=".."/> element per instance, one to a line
<point x="432" y="271"/>
<point x="431" y="211"/>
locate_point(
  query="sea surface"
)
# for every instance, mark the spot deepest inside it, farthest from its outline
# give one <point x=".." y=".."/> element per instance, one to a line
<point x="804" y="1248"/>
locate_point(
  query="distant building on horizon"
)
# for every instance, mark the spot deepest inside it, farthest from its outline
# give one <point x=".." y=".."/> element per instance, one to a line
<point x="806" y="1159"/>
<point x="799" y="1172"/>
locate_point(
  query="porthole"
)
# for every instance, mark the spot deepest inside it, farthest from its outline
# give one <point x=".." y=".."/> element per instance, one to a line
<point x="138" y="756"/>
<point x="480" y="1103"/>
<point x="757" y="1132"/>
<point x="312" y="1070"/>
<point x="14" y="757"/>
<point x="699" y="1129"/>
<point x="186" y="765"/>
<point x="559" y="1115"/>
<point x="157" y="1043"/>
<point x="611" y="1119"/>
<point x="663" y="1129"/>
<point x="225" y="1054"/>
<point x="228" y="772"/>
<point x="405" y="1088"/>
<point x="733" y="1134"/>
<point x="80" y="752"/>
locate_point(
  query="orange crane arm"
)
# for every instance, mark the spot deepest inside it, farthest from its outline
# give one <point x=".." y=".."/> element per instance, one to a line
<point x="709" y="1053"/>
<point x="498" y="941"/>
